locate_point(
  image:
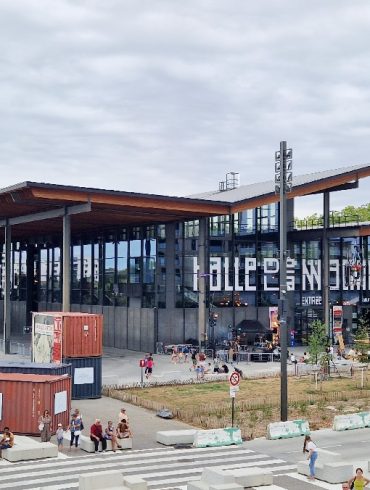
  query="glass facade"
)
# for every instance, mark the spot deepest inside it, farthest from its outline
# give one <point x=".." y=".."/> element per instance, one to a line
<point x="157" y="266"/>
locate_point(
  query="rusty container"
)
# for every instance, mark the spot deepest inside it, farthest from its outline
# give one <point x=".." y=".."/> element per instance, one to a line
<point x="24" y="397"/>
<point x="59" y="334"/>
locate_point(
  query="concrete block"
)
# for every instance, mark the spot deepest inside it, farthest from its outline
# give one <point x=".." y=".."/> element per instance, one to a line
<point x="135" y="482"/>
<point x="86" y="444"/>
<point x="216" y="476"/>
<point x="172" y="437"/>
<point x="197" y="485"/>
<point x="251" y="477"/>
<point x="325" y="456"/>
<point x="226" y="486"/>
<point x="40" y="450"/>
<point x="101" y="480"/>
<point x="218" y="437"/>
<point x="337" y="472"/>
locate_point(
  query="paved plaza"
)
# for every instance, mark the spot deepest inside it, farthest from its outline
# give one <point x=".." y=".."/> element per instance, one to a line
<point x="169" y="467"/>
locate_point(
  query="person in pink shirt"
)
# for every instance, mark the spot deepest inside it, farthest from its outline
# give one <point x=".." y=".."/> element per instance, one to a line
<point x="149" y="366"/>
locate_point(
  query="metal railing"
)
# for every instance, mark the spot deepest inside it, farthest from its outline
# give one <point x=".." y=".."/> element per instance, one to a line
<point x="19" y="348"/>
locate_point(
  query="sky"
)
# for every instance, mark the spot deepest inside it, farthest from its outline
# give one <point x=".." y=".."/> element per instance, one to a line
<point x="168" y="96"/>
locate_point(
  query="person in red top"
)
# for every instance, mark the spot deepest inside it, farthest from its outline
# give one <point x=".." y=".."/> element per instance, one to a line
<point x="96" y="435"/>
<point x="149" y="366"/>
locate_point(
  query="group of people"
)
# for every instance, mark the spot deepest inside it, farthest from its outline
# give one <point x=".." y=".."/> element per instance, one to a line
<point x="76" y="426"/>
<point x="357" y="482"/>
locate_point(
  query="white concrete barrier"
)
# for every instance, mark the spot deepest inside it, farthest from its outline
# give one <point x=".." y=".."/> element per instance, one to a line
<point x="86" y="444"/>
<point x="335" y="472"/>
<point x="134" y="482"/>
<point x="251" y="477"/>
<point x="102" y="480"/>
<point x="290" y="428"/>
<point x="172" y="437"/>
<point x="351" y="421"/>
<point x="38" y="450"/>
<point x="217" y="437"/>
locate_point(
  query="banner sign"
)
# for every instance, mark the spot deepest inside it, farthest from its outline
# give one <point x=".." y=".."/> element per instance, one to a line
<point x="47" y="339"/>
<point x="337" y="319"/>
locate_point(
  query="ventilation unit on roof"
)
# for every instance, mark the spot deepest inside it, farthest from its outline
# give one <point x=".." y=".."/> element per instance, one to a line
<point x="232" y="182"/>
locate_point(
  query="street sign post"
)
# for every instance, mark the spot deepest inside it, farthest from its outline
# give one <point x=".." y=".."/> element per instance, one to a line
<point x="142" y="365"/>
<point x="234" y="380"/>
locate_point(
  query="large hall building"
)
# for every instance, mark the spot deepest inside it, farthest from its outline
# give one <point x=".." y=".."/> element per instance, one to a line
<point x="170" y="269"/>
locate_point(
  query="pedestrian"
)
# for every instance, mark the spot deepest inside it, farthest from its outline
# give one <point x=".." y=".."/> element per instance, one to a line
<point x="96" y="435"/>
<point x="75" y="428"/>
<point x="60" y="435"/>
<point x="110" y="434"/>
<point x="186" y="353"/>
<point x="45" y="426"/>
<point x="123" y="430"/>
<point x="146" y="364"/>
<point x="7" y="440"/>
<point x="174" y="357"/>
<point x="358" y="482"/>
<point x="122" y="415"/>
<point x="150" y="365"/>
<point x="194" y="358"/>
<point x="310" y="447"/>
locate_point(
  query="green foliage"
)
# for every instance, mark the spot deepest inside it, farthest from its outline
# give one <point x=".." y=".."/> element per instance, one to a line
<point x="349" y="214"/>
<point x="317" y="341"/>
<point x="362" y="339"/>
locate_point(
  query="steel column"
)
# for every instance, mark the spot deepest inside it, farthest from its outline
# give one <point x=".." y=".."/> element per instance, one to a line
<point x="66" y="262"/>
<point x="7" y="289"/>
<point x="202" y="306"/>
<point x="326" y="265"/>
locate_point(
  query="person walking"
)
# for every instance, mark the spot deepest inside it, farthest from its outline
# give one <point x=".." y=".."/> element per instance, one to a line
<point x="75" y="428"/>
<point x="359" y="482"/>
<point x="45" y="426"/>
<point x="310" y="447"/>
<point x="150" y="364"/>
<point x="60" y="435"/>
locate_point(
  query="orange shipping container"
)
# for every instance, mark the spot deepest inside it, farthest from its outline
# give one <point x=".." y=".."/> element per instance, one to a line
<point x="59" y="334"/>
<point x="24" y="397"/>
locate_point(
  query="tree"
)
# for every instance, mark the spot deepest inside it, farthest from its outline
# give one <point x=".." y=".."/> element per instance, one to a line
<point x="362" y="339"/>
<point x="317" y="341"/>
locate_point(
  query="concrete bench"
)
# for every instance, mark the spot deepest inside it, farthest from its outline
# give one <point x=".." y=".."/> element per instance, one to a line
<point x="135" y="482"/>
<point x="251" y="477"/>
<point x="336" y="472"/>
<point x="112" y="479"/>
<point x="86" y="444"/>
<point x="173" y="437"/>
<point x="218" y="479"/>
<point x="39" y="450"/>
<point x="202" y="485"/>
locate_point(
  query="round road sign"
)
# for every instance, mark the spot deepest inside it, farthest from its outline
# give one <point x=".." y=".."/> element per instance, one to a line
<point x="234" y="379"/>
<point x="142" y="363"/>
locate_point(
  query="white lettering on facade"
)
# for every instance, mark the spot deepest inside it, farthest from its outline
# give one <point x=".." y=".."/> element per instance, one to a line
<point x="221" y="277"/>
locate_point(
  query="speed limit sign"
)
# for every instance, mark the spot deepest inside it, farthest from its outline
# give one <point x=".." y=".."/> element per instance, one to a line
<point x="234" y="379"/>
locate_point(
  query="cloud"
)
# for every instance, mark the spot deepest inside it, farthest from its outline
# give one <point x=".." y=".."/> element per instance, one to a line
<point x="172" y="95"/>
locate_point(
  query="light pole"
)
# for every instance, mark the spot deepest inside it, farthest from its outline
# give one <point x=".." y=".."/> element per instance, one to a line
<point x="283" y="184"/>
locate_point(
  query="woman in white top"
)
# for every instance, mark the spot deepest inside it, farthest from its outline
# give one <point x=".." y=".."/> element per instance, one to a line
<point x="310" y="447"/>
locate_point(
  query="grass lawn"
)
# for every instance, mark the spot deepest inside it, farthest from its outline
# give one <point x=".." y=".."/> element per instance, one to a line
<point x="207" y="405"/>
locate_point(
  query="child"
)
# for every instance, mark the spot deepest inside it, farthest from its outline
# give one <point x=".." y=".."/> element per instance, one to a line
<point x="59" y="433"/>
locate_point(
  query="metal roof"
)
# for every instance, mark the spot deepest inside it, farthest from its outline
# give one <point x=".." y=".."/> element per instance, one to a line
<point x="327" y="179"/>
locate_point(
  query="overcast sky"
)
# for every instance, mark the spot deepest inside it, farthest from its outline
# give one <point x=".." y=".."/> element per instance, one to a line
<point x="166" y="97"/>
